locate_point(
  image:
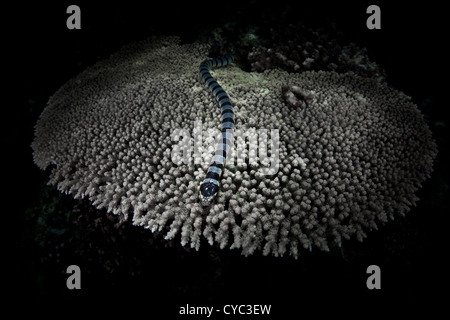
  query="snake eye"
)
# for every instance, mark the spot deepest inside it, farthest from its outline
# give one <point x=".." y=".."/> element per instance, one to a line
<point x="208" y="189"/>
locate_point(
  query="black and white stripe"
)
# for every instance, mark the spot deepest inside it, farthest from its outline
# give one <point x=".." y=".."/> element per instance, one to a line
<point x="210" y="186"/>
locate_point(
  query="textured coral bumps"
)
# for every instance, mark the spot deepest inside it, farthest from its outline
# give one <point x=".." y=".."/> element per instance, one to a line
<point x="350" y="159"/>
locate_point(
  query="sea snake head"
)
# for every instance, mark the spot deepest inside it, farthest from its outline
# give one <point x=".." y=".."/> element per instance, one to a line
<point x="207" y="193"/>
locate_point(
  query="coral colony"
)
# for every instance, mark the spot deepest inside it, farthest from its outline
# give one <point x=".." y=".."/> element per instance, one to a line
<point x="352" y="151"/>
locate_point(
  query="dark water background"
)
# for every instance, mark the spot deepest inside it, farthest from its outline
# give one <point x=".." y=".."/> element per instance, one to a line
<point x="130" y="269"/>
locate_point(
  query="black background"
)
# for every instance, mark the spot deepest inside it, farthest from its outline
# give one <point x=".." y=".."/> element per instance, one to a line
<point x="42" y="54"/>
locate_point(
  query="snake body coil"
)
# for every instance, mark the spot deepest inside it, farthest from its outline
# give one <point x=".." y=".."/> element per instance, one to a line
<point x="210" y="186"/>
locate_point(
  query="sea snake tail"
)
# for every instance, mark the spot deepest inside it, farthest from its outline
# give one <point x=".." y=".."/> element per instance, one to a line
<point x="210" y="186"/>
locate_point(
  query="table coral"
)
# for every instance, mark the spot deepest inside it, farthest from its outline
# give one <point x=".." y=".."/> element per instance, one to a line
<point x="350" y="159"/>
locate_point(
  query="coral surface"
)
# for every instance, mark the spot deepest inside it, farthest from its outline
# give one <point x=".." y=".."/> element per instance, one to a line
<point x="296" y="48"/>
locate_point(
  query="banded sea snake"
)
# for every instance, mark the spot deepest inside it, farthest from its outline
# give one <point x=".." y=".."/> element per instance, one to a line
<point x="210" y="186"/>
